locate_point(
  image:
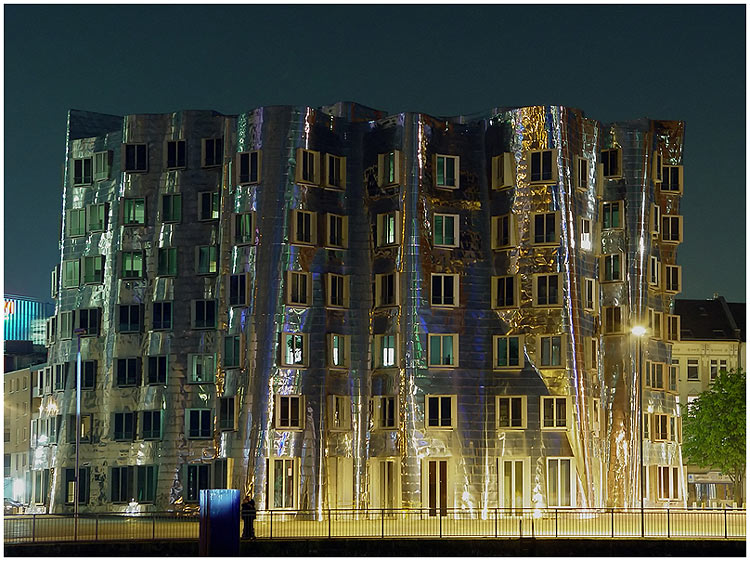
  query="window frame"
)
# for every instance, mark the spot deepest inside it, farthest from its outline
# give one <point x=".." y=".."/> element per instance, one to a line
<point x="554" y="238"/>
<point x="98" y="208"/>
<point x="593" y="304"/>
<point x="227" y="415"/>
<point x="379" y="300"/>
<point x="304" y="349"/>
<point x="209" y="152"/>
<point x="89" y="265"/>
<point x="304" y="157"/>
<point x="202" y="432"/>
<point x="608" y="208"/>
<point x="80" y="177"/>
<point x="334" y="278"/>
<point x="496" y="221"/>
<point x="242" y="179"/>
<point x="290" y="426"/>
<point x="151" y="434"/>
<point x="555" y="426"/>
<point x="436" y="159"/>
<point x="524" y="412"/>
<point x="456" y="229"/>
<point x="128" y="326"/>
<point x="496" y="280"/>
<point x="536" y="278"/>
<point x="673" y="327"/>
<point x="194" y="308"/>
<point x="99" y="173"/>
<point x="502" y="171"/>
<point x="177" y="162"/>
<point x="496" y="352"/>
<point x="203" y="358"/>
<point x="292" y="298"/>
<point x="670" y="219"/>
<point x="124" y="435"/>
<point x="157" y="370"/>
<point x="131" y="376"/>
<point x="343" y="232"/>
<point x="667" y="182"/>
<point x="606" y="172"/>
<point x="240" y="237"/>
<point x="239" y="296"/>
<point x="295" y="234"/>
<point x="455" y="287"/>
<point x="231" y="351"/>
<point x="138" y="165"/>
<point x="345" y="349"/>
<point x="171" y="208"/>
<point x="381" y="350"/>
<point x="342" y="404"/>
<point x="613" y="320"/>
<point x="563" y="350"/>
<point x="206" y="259"/>
<point x="130" y="212"/>
<point x="209" y="206"/>
<point x="608" y="270"/>
<point x="586" y="234"/>
<point x="381" y="231"/>
<point x="669" y="282"/>
<point x="382" y="169"/>
<point x="80" y="214"/>
<point x="161" y="304"/>
<point x="580" y="178"/>
<point x="379" y="418"/>
<point x="134" y="274"/>
<point x="71" y="277"/>
<point x="542" y="179"/>
<point x="454" y="350"/>
<point x="338" y="165"/>
<point x="428" y="407"/>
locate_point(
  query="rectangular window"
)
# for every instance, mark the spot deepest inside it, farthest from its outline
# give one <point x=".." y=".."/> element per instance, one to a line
<point x="157" y="370"/>
<point x="134" y="211"/>
<point x="672" y="179"/>
<point x="508" y="351"/>
<point x="554" y="412"/>
<point x="132" y="265"/>
<point x="656" y="325"/>
<point x="671" y="231"/>
<point x="66" y="325"/>
<point x="88" y="374"/>
<point x="613" y="267"/>
<point x="545" y="228"/>
<point x="511" y="412"/>
<point x="238" y="290"/>
<point x="171" y="208"/>
<point x="559" y="482"/>
<point x="129" y="318"/>
<point x="337" y="290"/>
<point x="656" y="166"/>
<point x="124" y="426"/>
<point x="308" y="168"/>
<point x="339" y="412"/>
<point x="71" y="274"/>
<point x="587" y="239"/>
<point x="176" y="153"/>
<point x="386" y="356"/>
<point x="672" y="278"/>
<point x="304" y="227"/>
<point x="504" y="292"/>
<point x="385" y="411"/>
<point x="655" y="220"/>
<point x="386" y="290"/>
<point x="590" y="294"/>
<point x="198" y="478"/>
<point x="122" y="484"/>
<point x="93" y="269"/>
<point x="128" y="372"/>
<point x="388" y="228"/>
<point x="658" y="381"/>
<point x="612" y="215"/>
<point x="136" y="158"/>
<point x="102" y="163"/>
<point x="668" y="482"/>
<point x="146" y="484"/>
<point x="445" y="230"/>
<point x="713" y="369"/>
<point x="294" y="351"/>
<point x="82" y="171"/>
<point x="96" y="217"/>
<point x="446" y="171"/>
<point x="299" y="288"/>
<point x="443" y="350"/>
<point x="199" y="423"/>
<point x="543" y="168"/>
<point x="248" y="167"/>
<point x="83" y="485"/>
<point x="502" y="170"/>
<point x="338" y="350"/>
<point x="232" y="358"/>
<point x="440" y="411"/>
<point x="661" y="427"/>
<point x="674" y="370"/>
<point x="61" y="376"/>
<point x="281" y="490"/>
<point x="75" y="222"/>
<point x="547" y="290"/>
<point x="206" y="259"/>
<point x="593" y="353"/>
<point x="151" y="425"/>
<point x="611" y="162"/>
<point x="551" y="347"/>
<point x="244" y="230"/>
<point x="444" y="290"/>
<point x="336" y="233"/>
<point x="208" y="205"/>
<point x="646" y="426"/>
<point x="654" y="268"/>
<point x="335" y="172"/>
<point x="212" y="152"/>
<point x="692" y="369"/>
<point x="167" y="265"/>
<point x="88" y="319"/>
<point x="288" y="412"/>
<point x="388" y="165"/>
<point x="162" y="315"/>
<point x="582" y="173"/>
<point x="613" y="319"/>
<point x="202" y="368"/>
<point x="86" y="424"/>
<point x="204" y="314"/>
<point x="227" y="414"/>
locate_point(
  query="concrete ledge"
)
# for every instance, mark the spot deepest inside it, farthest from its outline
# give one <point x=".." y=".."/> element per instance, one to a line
<point x="402" y="547"/>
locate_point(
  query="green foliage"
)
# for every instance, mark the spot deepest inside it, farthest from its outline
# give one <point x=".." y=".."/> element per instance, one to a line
<point x="714" y="427"/>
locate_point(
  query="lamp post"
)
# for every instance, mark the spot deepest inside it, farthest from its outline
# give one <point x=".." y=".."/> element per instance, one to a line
<point x="76" y="488"/>
<point x="639" y="331"/>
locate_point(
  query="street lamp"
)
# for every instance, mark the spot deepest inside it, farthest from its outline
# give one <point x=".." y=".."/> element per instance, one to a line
<point x="79" y="331"/>
<point x="639" y="331"/>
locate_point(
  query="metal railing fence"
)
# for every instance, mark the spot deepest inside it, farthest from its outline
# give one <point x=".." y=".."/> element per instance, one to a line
<point x="393" y="523"/>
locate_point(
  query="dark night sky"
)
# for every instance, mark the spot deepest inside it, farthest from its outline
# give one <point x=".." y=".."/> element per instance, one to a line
<point x="614" y="62"/>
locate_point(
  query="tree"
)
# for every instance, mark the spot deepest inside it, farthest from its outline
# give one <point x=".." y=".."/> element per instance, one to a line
<point x="714" y="429"/>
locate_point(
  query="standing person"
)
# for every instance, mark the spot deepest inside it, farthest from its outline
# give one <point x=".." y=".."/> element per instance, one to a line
<point x="248" y="507"/>
<point x="251" y="518"/>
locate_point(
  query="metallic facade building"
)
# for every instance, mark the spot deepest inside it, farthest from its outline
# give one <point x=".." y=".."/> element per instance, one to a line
<point x="338" y="308"/>
<point x="24" y="318"/>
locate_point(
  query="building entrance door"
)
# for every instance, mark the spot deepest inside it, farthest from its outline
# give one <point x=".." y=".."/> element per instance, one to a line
<point x="513" y="488"/>
<point x="437" y="474"/>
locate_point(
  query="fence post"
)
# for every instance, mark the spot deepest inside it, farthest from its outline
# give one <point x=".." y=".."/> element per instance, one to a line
<point x="725" y="523"/>
<point x="440" y="522"/>
<point x="270" y="529"/>
<point x="382" y="523"/>
<point x="496" y="522"/>
<point x="668" y="530"/>
<point x="153" y="526"/>
<point x="532" y="526"/>
<point x="612" y="511"/>
<point x="520" y="526"/>
<point x="96" y="527"/>
<point x="33" y="528"/>
<point x="555" y="522"/>
<point x="329" y="523"/>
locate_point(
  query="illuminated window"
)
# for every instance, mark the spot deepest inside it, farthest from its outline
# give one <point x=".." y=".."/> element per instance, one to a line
<point x="668" y="482"/>
<point x="547" y="290"/>
<point x="212" y="152"/>
<point x="167" y="262"/>
<point x="75" y="222"/>
<point x="204" y="314"/>
<point x="96" y="217"/>
<point x="446" y="171"/>
<point x="672" y="179"/>
<point x="658" y="381"/>
<point x="238" y="290"/>
<point x="128" y="371"/>
<point x="93" y="269"/>
<point x="151" y="425"/>
<point x="248" y="167"/>
<point x="171" y="208"/>
<point x="672" y="278"/>
<point x="661" y="427"/>
<point x="337" y="290"/>
<point x="386" y="351"/>
<point x="543" y="168"/>
<point x="129" y="318"/>
<point x="611" y="162"/>
<point x="175" y="154"/>
<point x="308" y="166"/>
<point x="559" y="482"/>
<point x="227" y="413"/>
<point x="71" y="274"/>
<point x="337" y="230"/>
<point x="554" y="412"/>
<point x="338" y="350"/>
<point x="124" y="426"/>
<point x="503" y="231"/>
<point x="551" y="350"/>
<point x="587" y="240"/>
<point x="388" y="168"/>
<point x="294" y="349"/>
<point x="504" y="292"/>
<point x="508" y="351"/>
<point x="339" y="412"/>
<point x="545" y="228"/>
<point x="671" y="231"/>
<point x="135" y="158"/>
<point x="613" y="267"/>
<point x="86" y="424"/>
<point x="612" y="215"/>
<point x="444" y="290"/>
<point x="208" y="205"/>
<point x="134" y="212"/>
<point x="385" y="411"/>
<point x="83" y="171"/>
<point x="244" y="231"/>
<point x="232" y="356"/>
<point x="593" y="352"/>
<point x="199" y="423"/>
<point x="613" y="319"/>
<point x="162" y="315"/>
<point x="335" y="172"/>
<point x="289" y="411"/>
<point x="674" y="370"/>
<point x="202" y="368"/>
<point x="656" y="166"/>
<point x="443" y="350"/>
<point x="304" y="227"/>
<point x="388" y="228"/>
<point x="655" y="220"/>
<point x="206" y="259"/>
<point x="590" y="294"/>
<point x="511" y="412"/>
<point x="440" y="411"/>
<point x="386" y="290"/>
<point x="654" y="268"/>
<point x="299" y="288"/>
<point x="157" y="370"/>
<point x="83" y="485"/>
<point x="102" y="163"/>
<point x="582" y="173"/>
<point x="445" y="230"/>
<point x="66" y="325"/>
<point x="282" y="483"/>
<point x="502" y="170"/>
